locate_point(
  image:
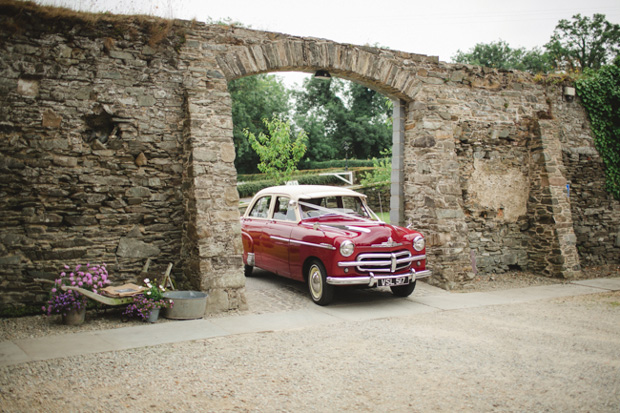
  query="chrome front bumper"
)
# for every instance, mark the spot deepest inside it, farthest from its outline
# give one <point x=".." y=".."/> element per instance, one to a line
<point x="371" y="279"/>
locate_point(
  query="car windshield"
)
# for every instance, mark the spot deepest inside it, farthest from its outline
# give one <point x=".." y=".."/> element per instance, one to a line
<point x="347" y="206"/>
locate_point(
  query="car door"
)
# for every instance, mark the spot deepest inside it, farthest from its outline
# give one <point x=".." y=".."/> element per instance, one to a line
<point x="279" y="228"/>
<point x="255" y="227"/>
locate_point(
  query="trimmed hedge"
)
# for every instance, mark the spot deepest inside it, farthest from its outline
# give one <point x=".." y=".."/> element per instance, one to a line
<point x="335" y="163"/>
<point x="243" y="178"/>
<point x="248" y="189"/>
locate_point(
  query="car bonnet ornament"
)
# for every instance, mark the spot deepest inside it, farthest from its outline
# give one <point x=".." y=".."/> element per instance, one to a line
<point x="387" y="244"/>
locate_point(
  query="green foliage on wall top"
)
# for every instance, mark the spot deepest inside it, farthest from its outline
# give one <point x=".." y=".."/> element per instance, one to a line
<point x="600" y="93"/>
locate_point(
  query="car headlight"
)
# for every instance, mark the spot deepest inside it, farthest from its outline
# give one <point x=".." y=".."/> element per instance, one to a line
<point x="347" y="248"/>
<point x="419" y="243"/>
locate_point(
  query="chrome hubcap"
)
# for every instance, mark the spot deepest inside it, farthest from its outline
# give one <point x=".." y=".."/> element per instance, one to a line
<point x="316" y="282"/>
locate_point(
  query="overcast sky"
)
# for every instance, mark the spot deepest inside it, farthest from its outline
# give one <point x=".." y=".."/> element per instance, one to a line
<point x="436" y="28"/>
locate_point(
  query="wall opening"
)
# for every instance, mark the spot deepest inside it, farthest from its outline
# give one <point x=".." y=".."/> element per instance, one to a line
<point x="347" y="123"/>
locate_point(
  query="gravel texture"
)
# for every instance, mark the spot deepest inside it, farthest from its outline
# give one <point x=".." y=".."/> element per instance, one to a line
<point x="556" y="355"/>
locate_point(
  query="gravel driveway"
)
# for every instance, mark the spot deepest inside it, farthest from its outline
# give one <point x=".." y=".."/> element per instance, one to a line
<point x="552" y="355"/>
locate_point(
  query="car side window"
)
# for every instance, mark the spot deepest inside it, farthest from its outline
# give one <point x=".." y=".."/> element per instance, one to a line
<point x="283" y="210"/>
<point x="261" y="207"/>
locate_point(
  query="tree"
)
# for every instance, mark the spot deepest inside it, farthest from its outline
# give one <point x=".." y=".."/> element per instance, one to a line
<point x="253" y="99"/>
<point x="337" y="111"/>
<point x="536" y="61"/>
<point x="584" y="43"/>
<point x="278" y="155"/>
<point x="500" y="55"/>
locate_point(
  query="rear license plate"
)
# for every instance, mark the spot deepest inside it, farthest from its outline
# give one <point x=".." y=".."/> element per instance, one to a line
<point x="394" y="281"/>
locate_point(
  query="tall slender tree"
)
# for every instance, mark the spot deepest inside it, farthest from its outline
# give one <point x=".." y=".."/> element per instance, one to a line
<point x="279" y="153"/>
<point x="255" y="98"/>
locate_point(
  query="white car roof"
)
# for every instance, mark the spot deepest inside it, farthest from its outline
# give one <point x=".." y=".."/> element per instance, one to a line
<point x="296" y="192"/>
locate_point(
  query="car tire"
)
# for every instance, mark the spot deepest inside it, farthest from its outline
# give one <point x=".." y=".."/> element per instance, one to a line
<point x="320" y="292"/>
<point x="247" y="270"/>
<point x="403" y="290"/>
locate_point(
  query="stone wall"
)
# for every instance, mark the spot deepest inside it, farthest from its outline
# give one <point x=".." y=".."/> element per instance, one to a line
<point x="484" y="175"/>
<point x="116" y="145"/>
<point x="91" y="152"/>
<point x="495" y="166"/>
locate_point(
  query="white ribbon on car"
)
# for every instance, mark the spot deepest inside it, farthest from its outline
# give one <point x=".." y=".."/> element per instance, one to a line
<point x="336" y="212"/>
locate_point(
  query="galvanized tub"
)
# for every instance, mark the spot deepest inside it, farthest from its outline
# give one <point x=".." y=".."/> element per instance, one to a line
<point x="187" y="305"/>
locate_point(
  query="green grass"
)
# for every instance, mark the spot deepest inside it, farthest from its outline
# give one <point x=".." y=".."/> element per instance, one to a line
<point x="385" y="216"/>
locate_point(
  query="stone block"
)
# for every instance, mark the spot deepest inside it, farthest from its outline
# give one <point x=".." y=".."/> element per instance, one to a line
<point x="227" y="152"/>
<point x="51" y="119"/>
<point x="28" y="87"/>
<point x="141" y="159"/>
<point x="138" y="192"/>
<point x="204" y="155"/>
<point x="80" y="220"/>
<point x="449" y="214"/>
<point x="217" y="301"/>
<point x="118" y="54"/>
<point x="134" y="248"/>
<point x="67" y="161"/>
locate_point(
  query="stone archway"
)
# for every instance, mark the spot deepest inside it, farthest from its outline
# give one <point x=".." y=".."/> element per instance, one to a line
<point x="209" y="138"/>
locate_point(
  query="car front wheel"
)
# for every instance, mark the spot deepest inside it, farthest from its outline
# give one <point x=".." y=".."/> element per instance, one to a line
<point x="320" y="292"/>
<point x="403" y="290"/>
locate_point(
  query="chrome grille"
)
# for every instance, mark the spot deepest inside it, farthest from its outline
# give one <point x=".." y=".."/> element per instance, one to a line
<point x="381" y="262"/>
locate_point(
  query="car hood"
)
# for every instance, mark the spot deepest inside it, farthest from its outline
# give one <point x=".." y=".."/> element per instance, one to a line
<point x="364" y="233"/>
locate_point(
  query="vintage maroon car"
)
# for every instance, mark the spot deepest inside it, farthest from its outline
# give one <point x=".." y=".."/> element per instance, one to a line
<point x="328" y="236"/>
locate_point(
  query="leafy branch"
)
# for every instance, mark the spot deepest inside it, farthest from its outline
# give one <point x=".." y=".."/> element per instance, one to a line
<point x="279" y="154"/>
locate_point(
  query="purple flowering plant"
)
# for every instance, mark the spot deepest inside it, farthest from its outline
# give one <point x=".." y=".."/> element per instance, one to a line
<point x="89" y="277"/>
<point x="151" y="299"/>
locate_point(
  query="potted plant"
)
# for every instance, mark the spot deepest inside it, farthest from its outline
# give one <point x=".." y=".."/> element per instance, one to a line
<point x="148" y="304"/>
<point x="71" y="305"/>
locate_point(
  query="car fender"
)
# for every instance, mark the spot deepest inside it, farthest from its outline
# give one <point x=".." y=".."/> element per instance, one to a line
<point x="248" y="245"/>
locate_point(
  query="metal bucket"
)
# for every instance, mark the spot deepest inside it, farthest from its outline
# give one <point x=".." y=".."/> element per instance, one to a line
<point x="187" y="305"/>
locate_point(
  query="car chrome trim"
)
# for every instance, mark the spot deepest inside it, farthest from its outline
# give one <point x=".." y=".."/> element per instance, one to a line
<point x="310" y="244"/>
<point x="382" y="261"/>
<point x="317" y="226"/>
<point x="359" y="229"/>
<point x="372" y="279"/>
<point x="423" y="274"/>
<point x="251" y="259"/>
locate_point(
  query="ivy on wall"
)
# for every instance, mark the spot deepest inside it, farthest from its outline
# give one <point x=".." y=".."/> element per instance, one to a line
<point x="600" y="93"/>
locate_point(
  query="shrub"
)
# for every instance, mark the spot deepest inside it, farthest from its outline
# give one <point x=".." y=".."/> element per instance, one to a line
<point x="335" y="163"/>
<point x="248" y="189"/>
